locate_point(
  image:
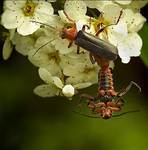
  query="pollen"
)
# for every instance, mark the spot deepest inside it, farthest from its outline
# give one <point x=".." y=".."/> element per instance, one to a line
<point x="29" y="8"/>
<point x="54" y="57"/>
<point x="99" y="24"/>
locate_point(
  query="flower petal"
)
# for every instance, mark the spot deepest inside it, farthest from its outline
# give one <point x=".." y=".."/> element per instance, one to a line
<point x="45" y="75"/>
<point x="125" y="2"/>
<point x="44" y="8"/>
<point x="14" y="4"/>
<point x="116" y="33"/>
<point x="97" y="4"/>
<point x="75" y="10"/>
<point x="23" y="44"/>
<point x="27" y="27"/>
<point x="63" y="16"/>
<point x="54" y="69"/>
<point x="111" y="13"/>
<point x="62" y="46"/>
<point x="43" y="12"/>
<point x="57" y="81"/>
<point x="130" y="46"/>
<point x="46" y="90"/>
<point x="138" y="23"/>
<point x="82" y="85"/>
<point x="136" y="5"/>
<point x="39" y="56"/>
<point x="12" y="19"/>
<point x="124" y="55"/>
<point x="134" y="21"/>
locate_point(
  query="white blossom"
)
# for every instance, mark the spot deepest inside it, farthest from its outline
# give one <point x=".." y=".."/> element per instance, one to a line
<point x="54" y="86"/>
<point x="20" y="14"/>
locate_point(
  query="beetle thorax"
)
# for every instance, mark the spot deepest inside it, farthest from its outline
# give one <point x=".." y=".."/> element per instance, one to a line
<point x="69" y="33"/>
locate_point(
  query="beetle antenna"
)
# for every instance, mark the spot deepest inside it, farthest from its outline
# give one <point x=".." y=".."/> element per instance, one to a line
<point x="43" y="24"/>
<point x="127" y="112"/>
<point x="120" y="94"/>
<point x="85" y="115"/>
<point x="103" y="28"/>
<point x="43" y="46"/>
<point x="68" y="17"/>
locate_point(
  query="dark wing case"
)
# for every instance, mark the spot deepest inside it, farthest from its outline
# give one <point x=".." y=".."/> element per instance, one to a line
<point x="96" y="46"/>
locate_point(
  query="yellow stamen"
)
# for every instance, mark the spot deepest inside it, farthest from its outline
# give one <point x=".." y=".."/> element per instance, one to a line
<point x="29" y="8"/>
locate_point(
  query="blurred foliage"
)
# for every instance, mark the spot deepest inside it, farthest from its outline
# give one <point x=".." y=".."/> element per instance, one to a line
<point x="28" y="122"/>
<point x="144" y="52"/>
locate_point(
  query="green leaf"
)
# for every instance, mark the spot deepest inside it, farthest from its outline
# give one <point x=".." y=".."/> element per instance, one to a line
<point x="144" y="53"/>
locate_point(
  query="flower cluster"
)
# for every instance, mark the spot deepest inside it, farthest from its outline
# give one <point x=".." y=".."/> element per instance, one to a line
<point x="35" y="31"/>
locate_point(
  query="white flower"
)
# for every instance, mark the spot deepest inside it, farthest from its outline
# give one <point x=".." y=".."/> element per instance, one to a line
<point x="20" y="14"/>
<point x="54" y="86"/>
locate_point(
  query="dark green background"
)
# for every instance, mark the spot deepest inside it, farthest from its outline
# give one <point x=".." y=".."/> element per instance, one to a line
<point x="28" y="122"/>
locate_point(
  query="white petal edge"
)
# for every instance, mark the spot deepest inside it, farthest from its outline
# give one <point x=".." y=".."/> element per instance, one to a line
<point x="57" y="82"/>
<point x="12" y="19"/>
<point x="111" y="13"/>
<point x="75" y="10"/>
<point x="129" y="47"/>
<point x="125" y="2"/>
<point x="27" y="27"/>
<point x="14" y="4"/>
<point x="46" y="90"/>
<point x="45" y="75"/>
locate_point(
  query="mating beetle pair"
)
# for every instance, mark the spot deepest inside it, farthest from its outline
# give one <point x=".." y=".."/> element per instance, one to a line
<point x="107" y="100"/>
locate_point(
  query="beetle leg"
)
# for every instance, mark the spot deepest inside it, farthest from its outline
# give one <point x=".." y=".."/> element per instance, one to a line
<point x="120" y="94"/>
<point x="91" y="106"/>
<point x="89" y="97"/>
<point x="90" y="21"/>
<point x="78" y="49"/>
<point x="92" y="59"/>
<point x="70" y="44"/>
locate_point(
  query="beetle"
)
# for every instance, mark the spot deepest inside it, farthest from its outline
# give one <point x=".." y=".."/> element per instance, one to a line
<point x="89" y="42"/>
<point x="107" y="100"/>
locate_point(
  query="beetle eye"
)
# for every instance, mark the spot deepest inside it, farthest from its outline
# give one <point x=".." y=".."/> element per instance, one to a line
<point x="63" y="35"/>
